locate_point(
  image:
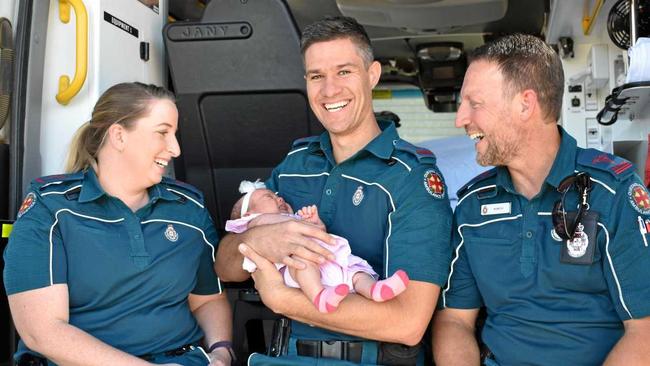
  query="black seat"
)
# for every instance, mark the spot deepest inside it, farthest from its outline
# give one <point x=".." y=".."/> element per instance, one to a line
<point x="238" y="78"/>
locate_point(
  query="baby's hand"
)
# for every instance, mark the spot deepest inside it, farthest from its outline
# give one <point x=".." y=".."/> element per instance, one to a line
<point x="310" y="214"/>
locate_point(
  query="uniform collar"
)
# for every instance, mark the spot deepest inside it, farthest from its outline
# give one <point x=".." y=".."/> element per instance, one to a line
<point x="563" y="165"/>
<point x="381" y="146"/>
<point x="92" y="190"/>
<point x="160" y="191"/>
<point x="565" y="160"/>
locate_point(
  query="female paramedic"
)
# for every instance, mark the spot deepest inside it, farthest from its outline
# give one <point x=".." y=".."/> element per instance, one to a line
<point x="112" y="264"/>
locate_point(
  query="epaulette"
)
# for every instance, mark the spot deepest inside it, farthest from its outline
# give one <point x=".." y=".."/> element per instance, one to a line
<point x="419" y="152"/>
<point x="483" y="176"/>
<point x="57" y="179"/>
<point x="184" y="188"/>
<point x="618" y="167"/>
<point x="304" y="141"/>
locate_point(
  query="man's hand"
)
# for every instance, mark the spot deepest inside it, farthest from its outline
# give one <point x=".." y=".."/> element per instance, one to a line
<point x="278" y="243"/>
<point x="268" y="280"/>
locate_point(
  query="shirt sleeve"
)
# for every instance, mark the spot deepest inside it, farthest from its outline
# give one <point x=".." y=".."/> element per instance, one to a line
<point x="627" y="262"/>
<point x="35" y="255"/>
<point x="420" y="228"/>
<point x="207" y="282"/>
<point x="461" y="291"/>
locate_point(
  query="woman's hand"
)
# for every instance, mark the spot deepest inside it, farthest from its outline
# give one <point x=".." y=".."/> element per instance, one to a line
<point x="220" y="357"/>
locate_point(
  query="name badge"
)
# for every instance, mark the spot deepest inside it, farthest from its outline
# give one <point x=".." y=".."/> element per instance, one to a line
<point x="495" y="209"/>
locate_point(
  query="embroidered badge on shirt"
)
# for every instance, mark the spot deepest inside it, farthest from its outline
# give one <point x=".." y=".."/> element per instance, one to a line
<point x="639" y="198"/>
<point x="433" y="184"/>
<point x="495" y="209"/>
<point x="357" y="197"/>
<point x="28" y="202"/>
<point x="577" y="247"/>
<point x="170" y="233"/>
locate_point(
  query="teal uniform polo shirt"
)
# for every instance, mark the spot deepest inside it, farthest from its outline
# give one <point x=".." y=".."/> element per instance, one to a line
<point x="128" y="274"/>
<point x="543" y="309"/>
<point x="388" y="200"/>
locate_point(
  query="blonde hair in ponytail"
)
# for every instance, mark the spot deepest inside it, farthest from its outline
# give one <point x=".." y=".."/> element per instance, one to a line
<point x="122" y="103"/>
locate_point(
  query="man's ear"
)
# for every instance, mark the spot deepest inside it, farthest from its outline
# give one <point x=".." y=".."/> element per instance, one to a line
<point x="374" y="72"/>
<point x="528" y="104"/>
<point x="117" y="137"/>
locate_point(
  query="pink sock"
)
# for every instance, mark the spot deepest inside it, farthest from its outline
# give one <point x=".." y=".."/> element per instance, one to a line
<point x="392" y="286"/>
<point x="329" y="298"/>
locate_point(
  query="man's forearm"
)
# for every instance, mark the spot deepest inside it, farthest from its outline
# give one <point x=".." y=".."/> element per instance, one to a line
<point x="401" y="320"/>
<point x="454" y="344"/>
<point x="228" y="264"/>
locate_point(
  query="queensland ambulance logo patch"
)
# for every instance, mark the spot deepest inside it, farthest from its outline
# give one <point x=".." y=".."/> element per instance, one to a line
<point x="639" y="198"/>
<point x="358" y="196"/>
<point x="28" y="202"/>
<point x="434" y="184"/>
<point x="171" y="233"/>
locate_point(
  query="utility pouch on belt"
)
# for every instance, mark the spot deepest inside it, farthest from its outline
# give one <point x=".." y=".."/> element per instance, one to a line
<point x="280" y="338"/>
<point x="393" y="354"/>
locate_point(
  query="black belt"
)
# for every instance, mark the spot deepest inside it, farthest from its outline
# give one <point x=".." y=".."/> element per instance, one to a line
<point x="171" y="353"/>
<point x="31" y="360"/>
<point x="340" y="350"/>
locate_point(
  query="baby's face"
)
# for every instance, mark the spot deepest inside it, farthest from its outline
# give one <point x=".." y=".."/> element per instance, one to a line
<point x="265" y="201"/>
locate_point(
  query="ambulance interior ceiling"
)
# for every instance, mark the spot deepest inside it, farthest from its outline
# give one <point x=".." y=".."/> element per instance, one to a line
<point x="400" y="28"/>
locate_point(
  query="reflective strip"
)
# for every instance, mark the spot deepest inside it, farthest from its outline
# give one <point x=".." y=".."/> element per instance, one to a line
<point x="51" y="183"/>
<point x="56" y="221"/>
<point x="204" y="354"/>
<point x="6" y="230"/>
<point x="190" y="226"/>
<point x="604" y="185"/>
<point x="611" y="266"/>
<point x="304" y="175"/>
<point x="248" y="362"/>
<point x="296" y="150"/>
<point x="186" y="196"/>
<point x="474" y="191"/>
<point x="389" y="214"/>
<point x="63" y="192"/>
<point x="403" y="163"/>
<point x="462" y="241"/>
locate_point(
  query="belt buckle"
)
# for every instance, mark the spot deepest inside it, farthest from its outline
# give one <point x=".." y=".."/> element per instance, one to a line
<point x="342" y="350"/>
<point x="333" y="349"/>
<point x="180" y="350"/>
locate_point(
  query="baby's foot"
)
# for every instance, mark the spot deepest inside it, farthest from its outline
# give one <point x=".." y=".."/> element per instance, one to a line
<point x="330" y="297"/>
<point x="392" y="286"/>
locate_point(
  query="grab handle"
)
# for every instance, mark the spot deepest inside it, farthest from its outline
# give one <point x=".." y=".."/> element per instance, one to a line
<point x="67" y="89"/>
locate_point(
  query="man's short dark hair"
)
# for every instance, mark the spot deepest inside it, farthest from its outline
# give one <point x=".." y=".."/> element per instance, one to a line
<point x="527" y="62"/>
<point x="332" y="28"/>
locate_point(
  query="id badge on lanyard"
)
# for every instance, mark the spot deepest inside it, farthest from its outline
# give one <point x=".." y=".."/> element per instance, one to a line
<point x="581" y="249"/>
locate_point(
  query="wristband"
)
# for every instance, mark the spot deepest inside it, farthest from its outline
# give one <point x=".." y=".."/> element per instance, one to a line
<point x="223" y="344"/>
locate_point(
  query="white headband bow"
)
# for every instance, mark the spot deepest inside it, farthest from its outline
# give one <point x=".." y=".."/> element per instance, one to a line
<point x="247" y="188"/>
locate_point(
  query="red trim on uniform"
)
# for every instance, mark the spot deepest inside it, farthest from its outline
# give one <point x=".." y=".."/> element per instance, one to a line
<point x="620" y="168"/>
<point x="602" y="158"/>
<point x="423" y="152"/>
